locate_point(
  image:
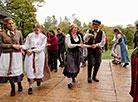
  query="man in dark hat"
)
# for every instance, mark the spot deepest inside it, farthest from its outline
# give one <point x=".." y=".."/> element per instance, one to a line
<point x="95" y="37"/>
<point x="136" y="36"/>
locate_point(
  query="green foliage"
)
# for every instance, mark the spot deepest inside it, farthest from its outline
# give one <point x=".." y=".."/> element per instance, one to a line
<point x="50" y="23"/>
<point x="64" y="27"/>
<point x="77" y="22"/>
<point x="23" y="11"/>
<point x="107" y="54"/>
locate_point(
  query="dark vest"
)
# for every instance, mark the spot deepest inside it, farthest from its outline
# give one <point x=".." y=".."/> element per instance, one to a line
<point x="73" y="42"/>
<point x="97" y="39"/>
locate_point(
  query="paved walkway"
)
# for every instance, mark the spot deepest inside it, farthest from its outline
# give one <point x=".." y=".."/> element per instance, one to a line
<point x="114" y="86"/>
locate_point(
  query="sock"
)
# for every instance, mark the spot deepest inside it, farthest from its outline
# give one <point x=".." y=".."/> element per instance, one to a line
<point x="69" y="80"/>
<point x="30" y="86"/>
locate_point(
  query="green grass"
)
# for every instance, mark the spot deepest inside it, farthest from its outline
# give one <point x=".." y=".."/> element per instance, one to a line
<point x="107" y="54"/>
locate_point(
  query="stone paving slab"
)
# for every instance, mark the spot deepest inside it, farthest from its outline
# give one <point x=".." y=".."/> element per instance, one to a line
<point x="114" y="86"/>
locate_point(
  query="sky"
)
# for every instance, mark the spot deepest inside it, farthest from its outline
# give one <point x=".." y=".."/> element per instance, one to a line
<point x="109" y="12"/>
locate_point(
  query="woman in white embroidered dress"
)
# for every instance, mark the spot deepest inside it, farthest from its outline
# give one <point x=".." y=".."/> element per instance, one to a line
<point x="35" y="57"/>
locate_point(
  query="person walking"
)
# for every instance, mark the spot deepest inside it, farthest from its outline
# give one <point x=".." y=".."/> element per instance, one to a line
<point x="52" y="50"/>
<point x="119" y="51"/>
<point x="11" y="68"/>
<point x="72" y="61"/>
<point x="95" y="37"/>
<point x="61" y="45"/>
<point x="35" y="58"/>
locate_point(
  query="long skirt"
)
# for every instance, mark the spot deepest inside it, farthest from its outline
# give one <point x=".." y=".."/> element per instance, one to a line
<point x="72" y="64"/>
<point x="134" y="76"/>
<point x="16" y="67"/>
<point x="116" y="53"/>
<point x="36" y="73"/>
<point x="42" y="70"/>
<point x="47" y="74"/>
<point x="124" y="54"/>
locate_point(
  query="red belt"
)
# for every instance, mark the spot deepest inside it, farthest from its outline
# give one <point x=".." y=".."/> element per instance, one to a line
<point x="10" y="64"/>
<point x="34" y="62"/>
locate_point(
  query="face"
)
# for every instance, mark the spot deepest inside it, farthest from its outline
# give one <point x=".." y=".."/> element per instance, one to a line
<point x="75" y="29"/>
<point x="59" y="31"/>
<point x="36" y="30"/>
<point x="95" y="27"/>
<point x="10" y="25"/>
<point x="50" y="34"/>
<point x="116" y="33"/>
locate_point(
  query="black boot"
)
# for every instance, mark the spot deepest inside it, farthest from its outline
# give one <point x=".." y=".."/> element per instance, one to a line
<point x="73" y="80"/>
<point x="89" y="80"/>
<point x="125" y="64"/>
<point x="12" y="89"/>
<point x="20" y="88"/>
<point x="95" y="79"/>
<point x="89" y="73"/>
<point x="95" y="73"/>
<point x="38" y="83"/>
<point x="70" y="86"/>
<point x="55" y="69"/>
<point x="30" y="91"/>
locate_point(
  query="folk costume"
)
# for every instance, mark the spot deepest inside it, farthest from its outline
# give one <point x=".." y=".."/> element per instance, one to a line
<point x="11" y="68"/>
<point x="94" y="55"/>
<point x="72" y="61"/>
<point x="119" y="50"/>
<point x="34" y="63"/>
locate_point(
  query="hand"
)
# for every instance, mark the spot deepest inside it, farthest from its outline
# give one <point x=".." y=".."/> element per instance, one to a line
<point x="93" y="46"/>
<point x="17" y="46"/>
<point x="29" y="53"/>
<point x="113" y="41"/>
<point x="91" y="35"/>
<point x="48" y="45"/>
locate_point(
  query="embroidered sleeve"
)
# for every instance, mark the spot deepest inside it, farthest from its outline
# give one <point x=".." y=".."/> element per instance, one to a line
<point x="42" y="46"/>
<point x="26" y="44"/>
<point x="68" y="42"/>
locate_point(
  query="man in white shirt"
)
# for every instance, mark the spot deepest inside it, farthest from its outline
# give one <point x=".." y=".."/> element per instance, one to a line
<point x="95" y="37"/>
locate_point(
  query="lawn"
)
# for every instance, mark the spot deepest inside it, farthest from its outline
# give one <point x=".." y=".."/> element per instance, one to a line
<point x="107" y="54"/>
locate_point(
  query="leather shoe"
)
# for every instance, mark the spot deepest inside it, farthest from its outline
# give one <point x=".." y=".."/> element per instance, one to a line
<point x="30" y="91"/>
<point x="38" y="83"/>
<point x="89" y="80"/>
<point x="20" y="89"/>
<point x="125" y="64"/>
<point x="70" y="86"/>
<point x="95" y="79"/>
<point x="56" y="70"/>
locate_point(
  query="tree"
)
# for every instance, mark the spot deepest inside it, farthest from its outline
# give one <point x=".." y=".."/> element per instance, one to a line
<point x="50" y="23"/>
<point x="23" y="11"/>
<point x="136" y="22"/>
<point x="77" y="22"/>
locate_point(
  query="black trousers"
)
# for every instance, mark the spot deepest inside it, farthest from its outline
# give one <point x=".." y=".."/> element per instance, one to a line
<point x="52" y="58"/>
<point x="61" y="57"/>
<point x="94" y="59"/>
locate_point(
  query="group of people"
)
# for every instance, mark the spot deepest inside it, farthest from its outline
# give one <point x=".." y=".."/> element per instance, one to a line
<point x="11" y="61"/>
<point x="42" y="52"/>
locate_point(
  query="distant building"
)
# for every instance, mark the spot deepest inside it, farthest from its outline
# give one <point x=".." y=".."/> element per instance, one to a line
<point x="3" y="14"/>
